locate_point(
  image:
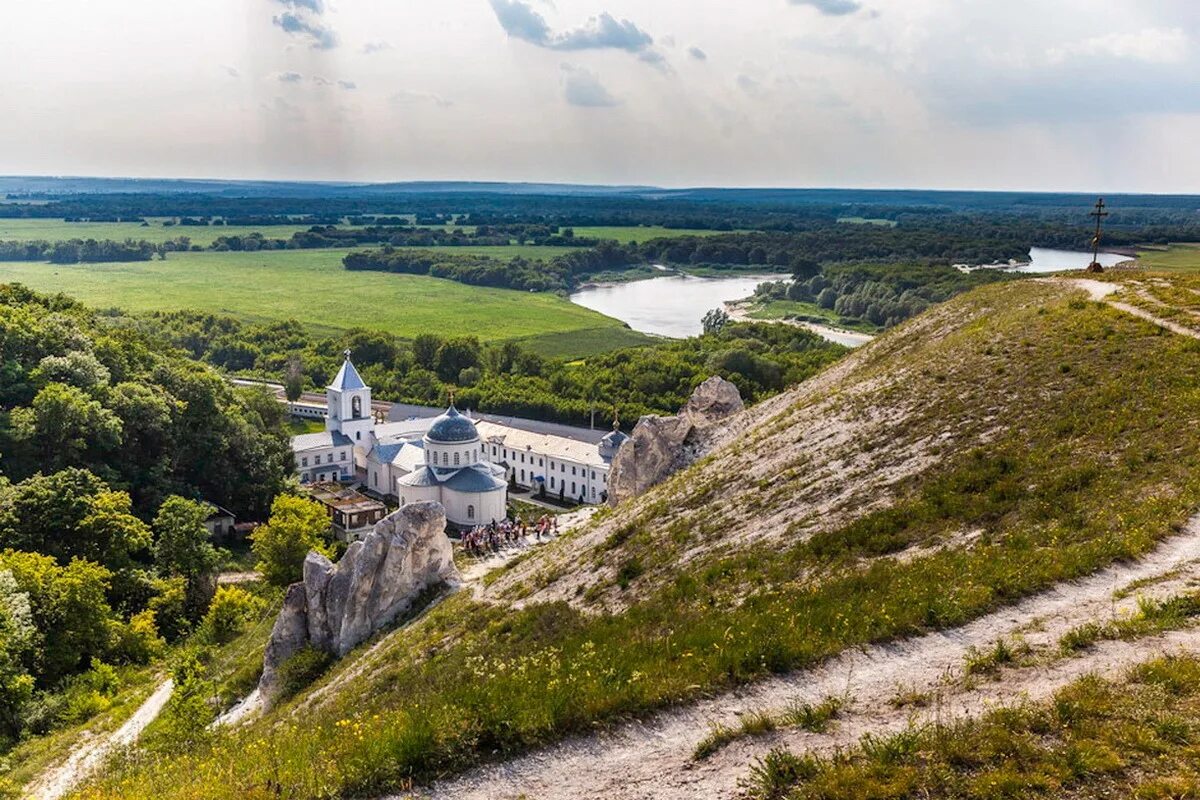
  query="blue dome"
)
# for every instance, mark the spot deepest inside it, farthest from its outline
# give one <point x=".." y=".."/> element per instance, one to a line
<point x="452" y="427"/>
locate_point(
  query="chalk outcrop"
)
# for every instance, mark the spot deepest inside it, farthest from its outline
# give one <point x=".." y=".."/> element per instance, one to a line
<point x="338" y="606"/>
<point x="661" y="446"/>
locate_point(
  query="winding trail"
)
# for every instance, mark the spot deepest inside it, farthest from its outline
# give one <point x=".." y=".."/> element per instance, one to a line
<point x="87" y="758"/>
<point x="652" y="758"/>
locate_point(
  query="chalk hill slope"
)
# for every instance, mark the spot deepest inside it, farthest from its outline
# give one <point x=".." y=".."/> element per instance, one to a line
<point x="1016" y="437"/>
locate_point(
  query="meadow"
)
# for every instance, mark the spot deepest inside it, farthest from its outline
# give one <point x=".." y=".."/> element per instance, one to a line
<point x="311" y="286"/>
<point x="52" y="230"/>
<point x="25" y="230"/>
<point x="1175" y="258"/>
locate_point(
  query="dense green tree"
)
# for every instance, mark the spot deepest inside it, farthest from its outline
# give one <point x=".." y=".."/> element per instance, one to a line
<point x="297" y="525"/>
<point x="182" y="549"/>
<point x="64" y="425"/>
<point x="456" y="355"/>
<point x="69" y="609"/>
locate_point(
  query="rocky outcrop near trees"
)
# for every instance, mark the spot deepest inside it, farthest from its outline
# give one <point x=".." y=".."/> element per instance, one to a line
<point x="661" y="446"/>
<point x="338" y="606"/>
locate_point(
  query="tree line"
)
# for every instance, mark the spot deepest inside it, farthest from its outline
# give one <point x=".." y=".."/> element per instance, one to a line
<point x="76" y="251"/>
<point x="505" y="378"/>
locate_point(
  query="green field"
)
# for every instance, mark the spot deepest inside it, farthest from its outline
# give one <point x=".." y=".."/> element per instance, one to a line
<point x="25" y="230"/>
<point x="52" y="230"/>
<point x="643" y="233"/>
<point x="1175" y="258"/>
<point x="312" y="287"/>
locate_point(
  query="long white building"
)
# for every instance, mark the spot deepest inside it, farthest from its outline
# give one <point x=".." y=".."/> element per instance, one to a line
<point x="462" y="462"/>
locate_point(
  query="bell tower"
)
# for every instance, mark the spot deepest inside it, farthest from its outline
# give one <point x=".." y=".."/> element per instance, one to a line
<point x="349" y="405"/>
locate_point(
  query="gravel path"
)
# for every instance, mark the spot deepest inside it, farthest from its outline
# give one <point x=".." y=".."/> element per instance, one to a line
<point x="652" y="759"/>
<point x="91" y="755"/>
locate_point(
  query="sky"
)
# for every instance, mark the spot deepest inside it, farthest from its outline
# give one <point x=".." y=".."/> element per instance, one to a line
<point x="1087" y="95"/>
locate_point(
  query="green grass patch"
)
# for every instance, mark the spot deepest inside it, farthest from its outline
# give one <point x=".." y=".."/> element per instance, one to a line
<point x="1183" y="257"/>
<point x="585" y="342"/>
<point x="1152" y="616"/>
<point x="311" y="286"/>
<point x="1134" y="737"/>
<point x="807" y="312"/>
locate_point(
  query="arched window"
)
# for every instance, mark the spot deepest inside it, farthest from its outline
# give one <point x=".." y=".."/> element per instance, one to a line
<point x="356" y="407"/>
<point x="470" y="512"/>
<point x="445" y="459"/>
<point x="456" y="459"/>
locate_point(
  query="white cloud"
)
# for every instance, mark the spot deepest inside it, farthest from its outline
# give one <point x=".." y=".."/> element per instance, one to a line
<point x="582" y="88"/>
<point x="832" y="8"/>
<point x="1150" y="45"/>
<point x="405" y="97"/>
<point x="289" y="77"/>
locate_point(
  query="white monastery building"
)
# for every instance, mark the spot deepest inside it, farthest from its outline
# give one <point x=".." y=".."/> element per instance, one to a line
<point x="463" y="463"/>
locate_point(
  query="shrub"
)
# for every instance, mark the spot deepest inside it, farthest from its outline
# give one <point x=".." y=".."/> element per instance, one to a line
<point x="137" y="641"/>
<point x="229" y="612"/>
<point x="297" y="526"/>
<point x="304" y="667"/>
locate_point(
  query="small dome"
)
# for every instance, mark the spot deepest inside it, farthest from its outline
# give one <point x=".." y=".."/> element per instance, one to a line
<point x="611" y="443"/>
<point x="452" y="427"/>
<point x="614" y="439"/>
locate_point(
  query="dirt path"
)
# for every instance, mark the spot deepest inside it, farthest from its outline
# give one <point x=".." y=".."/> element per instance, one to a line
<point x="1103" y="291"/>
<point x="87" y="758"/>
<point x="653" y="758"/>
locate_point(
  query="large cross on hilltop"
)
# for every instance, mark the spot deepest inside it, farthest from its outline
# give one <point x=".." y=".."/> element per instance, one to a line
<point x="1099" y="214"/>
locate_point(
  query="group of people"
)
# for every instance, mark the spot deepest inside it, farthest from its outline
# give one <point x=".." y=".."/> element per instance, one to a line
<point x="484" y="539"/>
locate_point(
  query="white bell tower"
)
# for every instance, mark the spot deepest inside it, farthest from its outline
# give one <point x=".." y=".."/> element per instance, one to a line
<point x="349" y="406"/>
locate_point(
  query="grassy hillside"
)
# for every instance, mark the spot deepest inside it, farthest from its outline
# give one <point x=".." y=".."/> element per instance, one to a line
<point x="312" y="287"/>
<point x="1014" y="437"/>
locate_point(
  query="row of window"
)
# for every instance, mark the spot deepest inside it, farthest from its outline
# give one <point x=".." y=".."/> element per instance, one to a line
<point x="317" y="459"/>
<point x="504" y="453"/>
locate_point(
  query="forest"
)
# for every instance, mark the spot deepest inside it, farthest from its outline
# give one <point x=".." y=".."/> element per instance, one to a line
<point x="114" y="448"/>
<point x="882" y="295"/>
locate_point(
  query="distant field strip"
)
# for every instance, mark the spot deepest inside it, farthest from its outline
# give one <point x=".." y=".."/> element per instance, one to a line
<point x="26" y="230"/>
<point x="311" y="286"/>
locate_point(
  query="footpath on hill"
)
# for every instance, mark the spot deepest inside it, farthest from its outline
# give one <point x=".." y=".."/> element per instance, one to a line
<point x="89" y="756"/>
<point x="653" y="758"/>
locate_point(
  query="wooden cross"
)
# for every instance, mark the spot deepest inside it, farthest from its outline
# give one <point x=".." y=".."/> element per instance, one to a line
<point x="1099" y="214"/>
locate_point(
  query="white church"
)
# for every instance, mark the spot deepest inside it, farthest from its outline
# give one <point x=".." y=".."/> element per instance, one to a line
<point x="464" y="464"/>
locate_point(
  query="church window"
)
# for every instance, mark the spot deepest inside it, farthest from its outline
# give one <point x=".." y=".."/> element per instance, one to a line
<point x="551" y="481"/>
<point x="522" y="476"/>
<point x="572" y="472"/>
<point x="358" y="435"/>
<point x="375" y="479"/>
<point x="342" y="456"/>
<point x="456" y="460"/>
<point x="445" y="459"/>
<point x="540" y="464"/>
<point x="572" y="487"/>
<point x="593" y="474"/>
<point x="329" y="458"/>
<point x="356" y="407"/>
<point x="470" y="512"/>
<point x="304" y="461"/>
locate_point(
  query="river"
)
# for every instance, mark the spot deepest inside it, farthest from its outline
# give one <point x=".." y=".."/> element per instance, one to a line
<point x="1044" y="259"/>
<point x="672" y="305"/>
